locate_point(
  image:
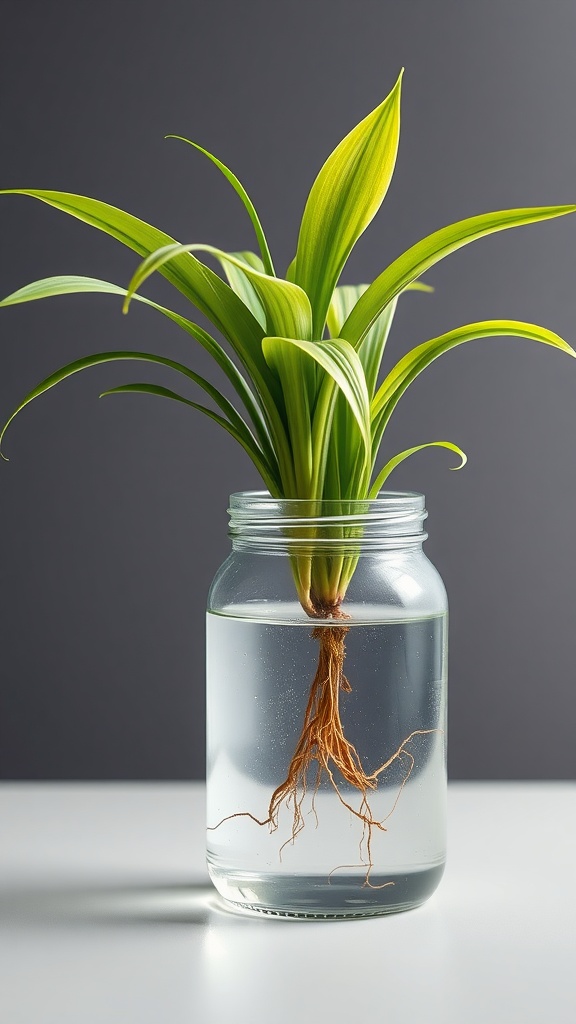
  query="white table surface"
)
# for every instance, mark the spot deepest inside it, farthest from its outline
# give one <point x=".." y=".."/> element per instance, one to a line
<point x="107" y="915"/>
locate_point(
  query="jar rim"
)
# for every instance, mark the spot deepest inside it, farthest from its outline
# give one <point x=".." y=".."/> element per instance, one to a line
<point x="385" y="499"/>
<point x="393" y="517"/>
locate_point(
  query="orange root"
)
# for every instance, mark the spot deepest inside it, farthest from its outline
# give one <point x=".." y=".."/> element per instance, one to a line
<point x="322" y="740"/>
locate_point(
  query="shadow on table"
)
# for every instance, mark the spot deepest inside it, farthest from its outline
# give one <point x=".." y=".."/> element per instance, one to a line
<point x="193" y="902"/>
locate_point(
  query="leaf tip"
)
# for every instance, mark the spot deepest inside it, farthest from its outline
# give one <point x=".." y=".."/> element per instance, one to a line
<point x="398" y="83"/>
<point x="463" y="461"/>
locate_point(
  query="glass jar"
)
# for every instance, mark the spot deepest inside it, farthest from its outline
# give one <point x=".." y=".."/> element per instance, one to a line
<point x="326" y="726"/>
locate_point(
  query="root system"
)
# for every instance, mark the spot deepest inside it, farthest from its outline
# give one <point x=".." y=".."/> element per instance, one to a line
<point x="322" y="740"/>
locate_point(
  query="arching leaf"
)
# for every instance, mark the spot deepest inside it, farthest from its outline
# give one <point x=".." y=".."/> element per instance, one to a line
<point x="249" y="205"/>
<point x="372" y="346"/>
<point x="240" y="283"/>
<point x="408" y="368"/>
<point x="340" y="362"/>
<point x="394" y="462"/>
<point x="430" y="250"/>
<point x="418" y="358"/>
<point x="286" y="306"/>
<point x="204" y="288"/>
<point x="70" y="285"/>
<point x="343" y="200"/>
<point x="234" y="418"/>
<point x="253" y="452"/>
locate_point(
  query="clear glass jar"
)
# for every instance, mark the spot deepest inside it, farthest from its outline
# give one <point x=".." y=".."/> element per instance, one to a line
<point x="326" y="728"/>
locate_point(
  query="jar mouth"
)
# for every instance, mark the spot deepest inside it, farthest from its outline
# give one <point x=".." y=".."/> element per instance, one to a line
<point x="391" y="519"/>
<point x="385" y="499"/>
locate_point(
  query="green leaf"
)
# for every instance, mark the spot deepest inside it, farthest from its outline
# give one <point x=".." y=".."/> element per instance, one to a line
<point x="204" y="288"/>
<point x="346" y="296"/>
<point x="419" y="286"/>
<point x="408" y="368"/>
<point x="340" y="362"/>
<point x="372" y="347"/>
<point x="430" y="250"/>
<point x="240" y="283"/>
<point x="341" y="478"/>
<point x="343" y="300"/>
<point x="418" y="358"/>
<point x="254" y="453"/>
<point x="343" y="200"/>
<point x="286" y="306"/>
<point x="235" y="419"/>
<point x="68" y="285"/>
<point x="241" y="191"/>
<point x="291" y="270"/>
<point x="292" y="369"/>
<point x="393" y="463"/>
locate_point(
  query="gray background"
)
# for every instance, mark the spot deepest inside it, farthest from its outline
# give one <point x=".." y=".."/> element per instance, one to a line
<point x="112" y="513"/>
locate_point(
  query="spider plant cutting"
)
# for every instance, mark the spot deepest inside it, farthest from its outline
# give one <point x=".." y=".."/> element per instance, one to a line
<point x="305" y="357"/>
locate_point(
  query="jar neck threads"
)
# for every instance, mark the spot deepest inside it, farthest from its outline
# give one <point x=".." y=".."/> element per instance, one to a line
<point x="395" y="519"/>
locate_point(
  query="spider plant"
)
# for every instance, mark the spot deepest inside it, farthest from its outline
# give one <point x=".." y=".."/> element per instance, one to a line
<point x="302" y="353"/>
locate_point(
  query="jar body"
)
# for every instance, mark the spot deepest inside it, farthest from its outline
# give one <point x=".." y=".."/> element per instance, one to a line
<point x="334" y="847"/>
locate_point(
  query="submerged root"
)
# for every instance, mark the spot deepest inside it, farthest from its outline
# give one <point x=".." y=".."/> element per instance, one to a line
<point x="322" y="740"/>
